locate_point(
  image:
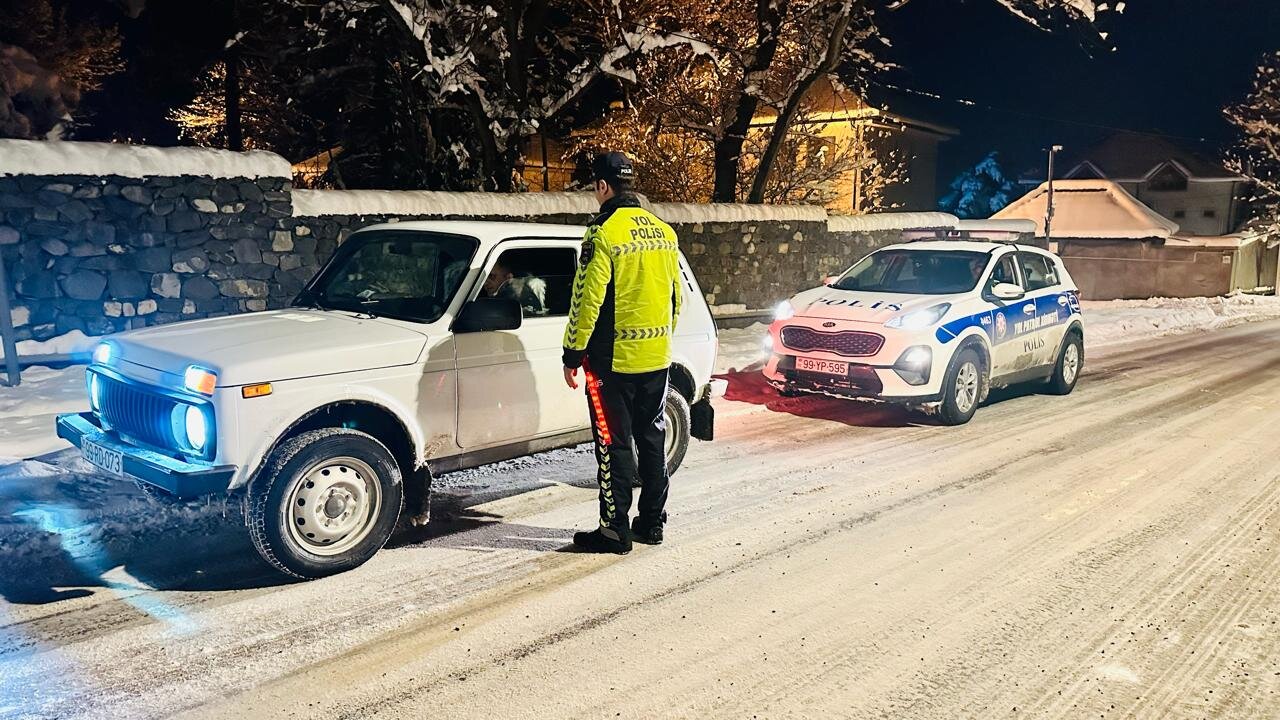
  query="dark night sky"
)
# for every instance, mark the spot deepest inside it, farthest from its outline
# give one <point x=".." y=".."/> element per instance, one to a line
<point x="1177" y="63"/>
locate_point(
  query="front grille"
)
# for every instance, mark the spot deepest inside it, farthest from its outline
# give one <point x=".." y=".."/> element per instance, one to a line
<point x="138" y="414"/>
<point x="850" y="343"/>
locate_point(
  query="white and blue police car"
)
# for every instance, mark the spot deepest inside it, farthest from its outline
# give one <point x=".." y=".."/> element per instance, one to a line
<point x="932" y="322"/>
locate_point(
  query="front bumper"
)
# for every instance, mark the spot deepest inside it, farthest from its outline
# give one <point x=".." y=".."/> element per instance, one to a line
<point x="862" y="381"/>
<point x="176" y="477"/>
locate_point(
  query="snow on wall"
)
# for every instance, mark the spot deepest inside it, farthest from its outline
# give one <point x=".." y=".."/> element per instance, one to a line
<point x="726" y="212"/>
<point x="319" y="203"/>
<point x="33" y="157"/>
<point x="891" y="221"/>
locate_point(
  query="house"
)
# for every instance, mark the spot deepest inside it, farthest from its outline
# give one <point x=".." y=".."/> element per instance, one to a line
<point x="836" y="116"/>
<point x="1172" y="177"/>
<point x="1117" y="247"/>
<point x="844" y="117"/>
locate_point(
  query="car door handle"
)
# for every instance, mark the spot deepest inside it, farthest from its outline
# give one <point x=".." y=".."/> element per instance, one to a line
<point x="1029" y="309"/>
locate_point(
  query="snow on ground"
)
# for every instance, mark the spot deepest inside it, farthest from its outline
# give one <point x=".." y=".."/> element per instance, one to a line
<point x="72" y="343"/>
<point x="57" y="509"/>
<point x="27" y="411"/>
<point x="1114" y="321"/>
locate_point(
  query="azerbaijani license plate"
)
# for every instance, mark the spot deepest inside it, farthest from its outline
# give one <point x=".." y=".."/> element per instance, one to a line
<point x="830" y="367"/>
<point x="103" y="458"/>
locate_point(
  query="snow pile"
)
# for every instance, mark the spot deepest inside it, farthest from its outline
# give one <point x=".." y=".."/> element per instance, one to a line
<point x="27" y="411"/>
<point x="741" y="349"/>
<point x="30" y="157"/>
<point x="1115" y="321"/>
<point x="73" y="343"/>
<point x="727" y="212"/>
<point x="891" y="221"/>
<point x="394" y="203"/>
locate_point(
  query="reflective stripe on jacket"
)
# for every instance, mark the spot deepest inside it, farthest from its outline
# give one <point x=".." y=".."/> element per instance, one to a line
<point x="626" y="293"/>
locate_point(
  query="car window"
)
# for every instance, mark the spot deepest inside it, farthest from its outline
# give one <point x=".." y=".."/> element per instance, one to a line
<point x="1005" y="271"/>
<point x="918" y="272"/>
<point x="541" y="279"/>
<point x="1038" y="271"/>
<point x="403" y="274"/>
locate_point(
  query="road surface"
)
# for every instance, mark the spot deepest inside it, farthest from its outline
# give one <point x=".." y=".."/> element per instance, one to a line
<point x="1114" y="553"/>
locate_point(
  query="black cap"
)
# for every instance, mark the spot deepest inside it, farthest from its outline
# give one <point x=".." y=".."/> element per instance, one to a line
<point x="614" y="168"/>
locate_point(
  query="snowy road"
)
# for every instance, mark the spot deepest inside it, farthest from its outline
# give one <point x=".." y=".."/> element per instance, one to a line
<point x="1113" y="553"/>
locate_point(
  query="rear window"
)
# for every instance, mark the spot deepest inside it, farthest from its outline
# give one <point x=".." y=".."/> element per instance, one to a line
<point x="916" y="272"/>
<point x="1038" y="271"/>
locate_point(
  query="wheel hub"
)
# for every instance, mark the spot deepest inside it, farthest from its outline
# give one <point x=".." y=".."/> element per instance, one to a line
<point x="333" y="506"/>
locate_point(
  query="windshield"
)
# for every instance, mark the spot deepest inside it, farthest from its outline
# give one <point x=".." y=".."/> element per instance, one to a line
<point x="397" y="273"/>
<point x="917" y="272"/>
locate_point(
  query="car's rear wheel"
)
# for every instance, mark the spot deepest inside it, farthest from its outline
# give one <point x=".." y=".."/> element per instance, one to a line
<point x="1066" y="371"/>
<point x="676" y="413"/>
<point x="325" y="503"/>
<point x="962" y="388"/>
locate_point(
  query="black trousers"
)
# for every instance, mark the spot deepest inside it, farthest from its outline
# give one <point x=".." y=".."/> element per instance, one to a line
<point x="630" y="432"/>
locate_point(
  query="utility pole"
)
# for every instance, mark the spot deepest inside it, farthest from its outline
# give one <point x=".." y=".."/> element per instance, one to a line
<point x="1048" y="212"/>
<point x="12" y="369"/>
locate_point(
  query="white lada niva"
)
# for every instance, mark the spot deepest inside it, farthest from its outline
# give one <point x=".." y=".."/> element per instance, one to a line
<point x="929" y="322"/>
<point x="419" y="348"/>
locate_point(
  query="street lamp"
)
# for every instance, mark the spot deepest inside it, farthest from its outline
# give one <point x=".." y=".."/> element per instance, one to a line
<point x="1048" y="212"/>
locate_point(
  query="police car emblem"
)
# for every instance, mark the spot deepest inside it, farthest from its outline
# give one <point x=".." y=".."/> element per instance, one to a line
<point x="1002" y="325"/>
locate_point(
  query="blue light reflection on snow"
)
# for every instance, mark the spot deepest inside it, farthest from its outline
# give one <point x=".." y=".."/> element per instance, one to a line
<point x="76" y="535"/>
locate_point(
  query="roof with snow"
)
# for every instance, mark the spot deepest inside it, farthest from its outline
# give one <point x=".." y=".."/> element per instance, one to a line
<point x="1134" y="157"/>
<point x="1090" y="209"/>
<point x="57" y="157"/>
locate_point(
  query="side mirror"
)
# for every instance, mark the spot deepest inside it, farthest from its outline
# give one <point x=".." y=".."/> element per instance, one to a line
<point x="489" y="314"/>
<point x="1007" y="291"/>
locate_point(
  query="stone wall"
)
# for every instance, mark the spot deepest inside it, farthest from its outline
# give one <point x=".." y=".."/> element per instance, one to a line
<point x="103" y="254"/>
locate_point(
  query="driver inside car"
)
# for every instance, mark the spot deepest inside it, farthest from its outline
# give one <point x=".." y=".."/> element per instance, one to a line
<point x="529" y="291"/>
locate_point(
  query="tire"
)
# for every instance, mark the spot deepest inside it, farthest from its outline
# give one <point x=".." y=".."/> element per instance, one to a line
<point x="1066" y="370"/>
<point x="962" y="388"/>
<point x="342" y="483"/>
<point x="676" y="410"/>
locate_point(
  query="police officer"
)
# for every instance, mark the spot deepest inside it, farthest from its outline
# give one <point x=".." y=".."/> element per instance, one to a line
<point x="626" y="298"/>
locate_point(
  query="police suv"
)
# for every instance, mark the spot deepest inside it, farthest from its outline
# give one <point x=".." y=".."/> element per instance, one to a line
<point x="925" y="322"/>
<point x="406" y="356"/>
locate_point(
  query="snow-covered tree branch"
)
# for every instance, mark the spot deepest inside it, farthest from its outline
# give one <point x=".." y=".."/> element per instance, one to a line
<point x="1257" y="154"/>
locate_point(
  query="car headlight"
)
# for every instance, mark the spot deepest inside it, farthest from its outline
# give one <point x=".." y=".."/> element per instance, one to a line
<point x="767" y="343"/>
<point x="197" y="427"/>
<point x="919" y="319"/>
<point x="200" y="380"/>
<point x="784" y="311"/>
<point x="95" y="392"/>
<point x="102" y="354"/>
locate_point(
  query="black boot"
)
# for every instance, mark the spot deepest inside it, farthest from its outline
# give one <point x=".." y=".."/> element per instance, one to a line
<point x="649" y="533"/>
<point x="597" y="542"/>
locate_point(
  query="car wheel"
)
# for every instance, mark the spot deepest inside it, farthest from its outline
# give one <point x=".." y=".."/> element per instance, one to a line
<point x="326" y="501"/>
<point x="962" y="388"/>
<point x="1066" y="371"/>
<point x="676" y="413"/>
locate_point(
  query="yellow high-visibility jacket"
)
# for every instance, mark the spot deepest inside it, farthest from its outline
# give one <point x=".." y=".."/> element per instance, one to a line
<point x="626" y="293"/>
